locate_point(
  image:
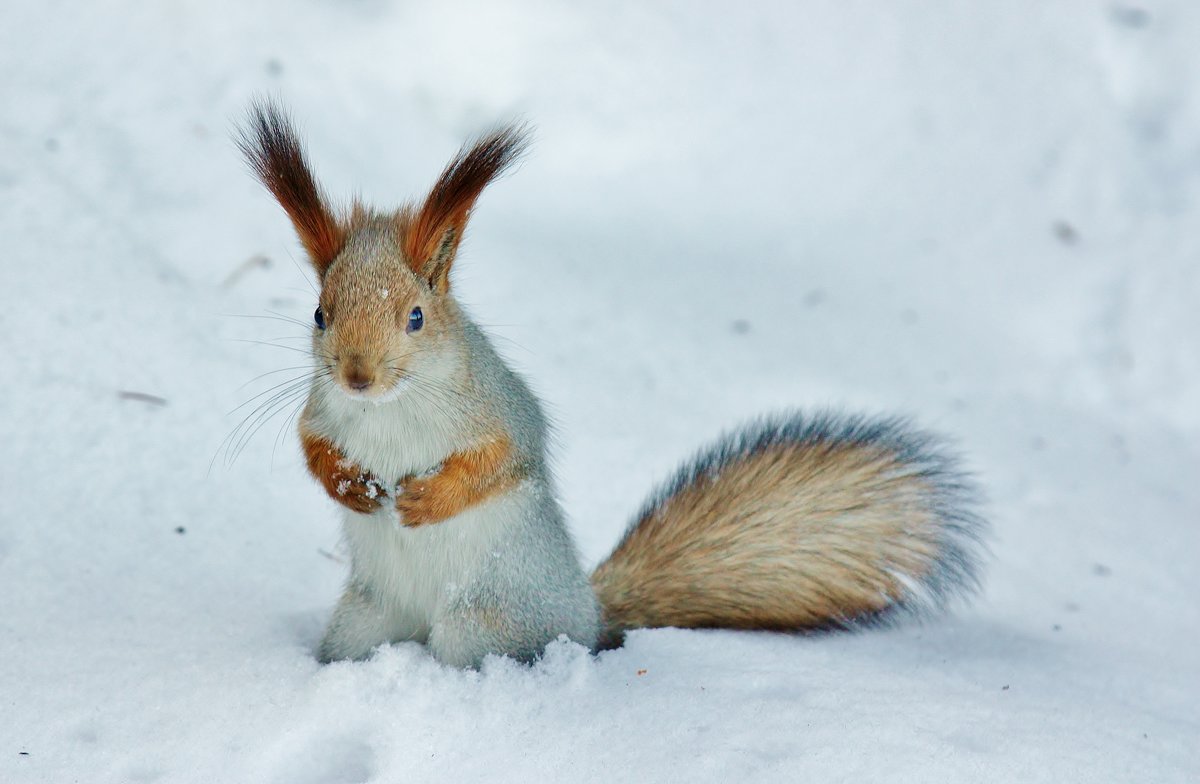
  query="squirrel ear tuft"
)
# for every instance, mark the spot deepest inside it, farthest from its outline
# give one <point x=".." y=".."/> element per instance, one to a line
<point x="273" y="149"/>
<point x="431" y="238"/>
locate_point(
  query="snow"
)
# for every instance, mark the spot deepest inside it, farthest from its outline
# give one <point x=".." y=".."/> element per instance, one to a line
<point x="983" y="215"/>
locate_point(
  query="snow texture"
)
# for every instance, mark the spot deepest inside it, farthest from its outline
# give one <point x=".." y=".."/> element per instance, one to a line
<point x="985" y="216"/>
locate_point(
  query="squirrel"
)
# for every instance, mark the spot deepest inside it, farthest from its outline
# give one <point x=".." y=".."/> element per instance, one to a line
<point x="436" y="450"/>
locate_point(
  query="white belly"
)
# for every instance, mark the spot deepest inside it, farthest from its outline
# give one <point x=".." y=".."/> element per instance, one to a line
<point x="415" y="572"/>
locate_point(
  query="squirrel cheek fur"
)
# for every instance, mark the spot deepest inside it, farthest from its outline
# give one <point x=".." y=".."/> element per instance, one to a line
<point x="793" y="522"/>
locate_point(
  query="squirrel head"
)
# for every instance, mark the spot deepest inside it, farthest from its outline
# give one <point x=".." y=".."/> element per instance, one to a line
<point x="386" y="312"/>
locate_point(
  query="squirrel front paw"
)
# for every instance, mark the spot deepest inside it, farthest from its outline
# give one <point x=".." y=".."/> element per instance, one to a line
<point x="461" y="481"/>
<point x="355" y="489"/>
<point x="419" y="502"/>
<point x="345" y="481"/>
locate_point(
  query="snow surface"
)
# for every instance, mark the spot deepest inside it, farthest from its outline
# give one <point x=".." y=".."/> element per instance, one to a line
<point x="983" y="214"/>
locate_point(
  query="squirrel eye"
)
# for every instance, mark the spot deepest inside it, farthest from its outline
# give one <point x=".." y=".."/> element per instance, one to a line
<point x="319" y="317"/>
<point x="416" y="320"/>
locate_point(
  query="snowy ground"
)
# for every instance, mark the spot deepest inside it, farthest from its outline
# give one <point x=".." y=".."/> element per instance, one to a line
<point x="985" y="215"/>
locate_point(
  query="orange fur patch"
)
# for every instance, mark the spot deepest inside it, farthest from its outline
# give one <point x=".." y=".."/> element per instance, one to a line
<point x="344" y="481"/>
<point x="465" y="479"/>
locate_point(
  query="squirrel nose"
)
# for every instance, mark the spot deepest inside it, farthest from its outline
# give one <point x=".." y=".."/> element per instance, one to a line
<point x="357" y="373"/>
<point x="358" y="380"/>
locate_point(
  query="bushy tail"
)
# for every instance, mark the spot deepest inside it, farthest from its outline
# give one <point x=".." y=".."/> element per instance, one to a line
<point x="798" y="523"/>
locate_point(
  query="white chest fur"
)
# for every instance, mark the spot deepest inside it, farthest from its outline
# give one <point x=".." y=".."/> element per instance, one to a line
<point x="410" y="434"/>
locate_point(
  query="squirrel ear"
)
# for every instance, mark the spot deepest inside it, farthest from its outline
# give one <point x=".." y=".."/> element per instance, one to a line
<point x="273" y="149"/>
<point x="431" y="238"/>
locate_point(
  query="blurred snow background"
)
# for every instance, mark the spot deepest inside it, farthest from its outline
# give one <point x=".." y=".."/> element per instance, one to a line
<point x="985" y="215"/>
